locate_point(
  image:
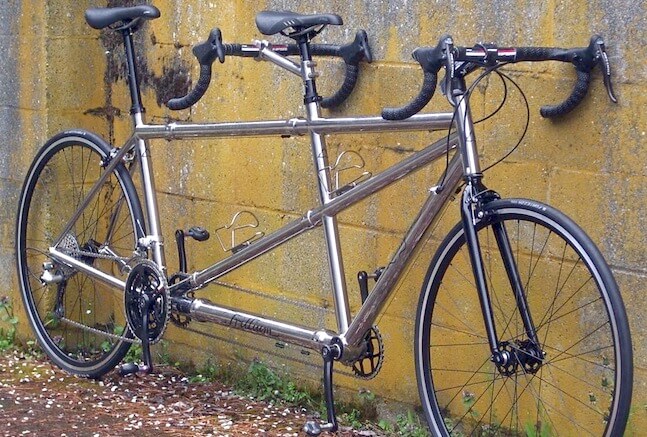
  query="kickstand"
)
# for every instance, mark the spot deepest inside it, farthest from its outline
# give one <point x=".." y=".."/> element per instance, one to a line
<point x="147" y="366"/>
<point x="329" y="354"/>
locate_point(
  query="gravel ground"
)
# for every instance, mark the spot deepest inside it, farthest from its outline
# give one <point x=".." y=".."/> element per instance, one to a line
<point x="40" y="400"/>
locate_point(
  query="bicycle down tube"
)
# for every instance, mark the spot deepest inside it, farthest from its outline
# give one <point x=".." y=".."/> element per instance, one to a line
<point x="202" y="310"/>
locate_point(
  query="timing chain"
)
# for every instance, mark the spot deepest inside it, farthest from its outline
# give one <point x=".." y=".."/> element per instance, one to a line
<point x="99" y="332"/>
<point x="352" y="373"/>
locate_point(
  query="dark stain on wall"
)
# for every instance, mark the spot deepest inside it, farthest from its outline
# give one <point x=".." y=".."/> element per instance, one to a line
<point x="173" y="82"/>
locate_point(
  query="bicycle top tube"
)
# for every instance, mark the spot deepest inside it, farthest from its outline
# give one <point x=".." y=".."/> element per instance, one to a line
<point x="294" y="127"/>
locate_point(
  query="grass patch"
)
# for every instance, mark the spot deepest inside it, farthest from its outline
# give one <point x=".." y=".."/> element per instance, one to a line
<point x="259" y="381"/>
<point x="9" y="322"/>
<point x="407" y="425"/>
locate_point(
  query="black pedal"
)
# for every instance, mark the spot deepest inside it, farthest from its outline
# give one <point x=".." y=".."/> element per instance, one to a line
<point x="198" y="233"/>
<point x="133" y="369"/>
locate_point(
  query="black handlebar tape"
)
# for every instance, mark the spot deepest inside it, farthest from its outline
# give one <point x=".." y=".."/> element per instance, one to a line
<point x="196" y="93"/>
<point x="576" y="97"/>
<point x="205" y="53"/>
<point x="211" y="49"/>
<point x="346" y="89"/>
<point x="431" y="60"/>
<point x="583" y="65"/>
<point x="416" y="105"/>
<point x="541" y="54"/>
<point x="322" y="50"/>
<point x="233" y="49"/>
<point x="350" y="76"/>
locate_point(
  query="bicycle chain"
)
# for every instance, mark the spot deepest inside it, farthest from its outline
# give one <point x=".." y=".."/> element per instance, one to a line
<point x="83" y="253"/>
<point x="70" y="247"/>
<point x="179" y="319"/>
<point x="76" y="252"/>
<point x="99" y="332"/>
<point x="183" y="323"/>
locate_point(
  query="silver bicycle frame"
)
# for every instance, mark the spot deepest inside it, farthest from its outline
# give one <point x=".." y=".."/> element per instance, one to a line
<point x="351" y="331"/>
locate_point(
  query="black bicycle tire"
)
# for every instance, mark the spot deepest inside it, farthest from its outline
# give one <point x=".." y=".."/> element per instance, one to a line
<point x="59" y="142"/>
<point x="565" y="228"/>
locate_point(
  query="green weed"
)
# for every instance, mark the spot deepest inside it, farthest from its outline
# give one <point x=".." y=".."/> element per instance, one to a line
<point x="7" y="332"/>
<point x="209" y="372"/>
<point x="407" y="425"/>
<point x="265" y="384"/>
<point x="541" y="429"/>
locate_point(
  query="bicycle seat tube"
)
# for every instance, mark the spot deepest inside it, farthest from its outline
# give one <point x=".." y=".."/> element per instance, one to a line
<point x="153" y="240"/>
<point x="311" y="102"/>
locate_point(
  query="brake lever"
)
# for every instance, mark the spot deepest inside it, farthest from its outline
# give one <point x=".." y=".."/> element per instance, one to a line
<point x="357" y="50"/>
<point x="211" y="49"/>
<point x="603" y="60"/>
<point x="450" y="66"/>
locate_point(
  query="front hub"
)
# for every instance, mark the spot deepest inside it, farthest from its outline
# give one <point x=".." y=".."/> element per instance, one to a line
<point x="518" y="355"/>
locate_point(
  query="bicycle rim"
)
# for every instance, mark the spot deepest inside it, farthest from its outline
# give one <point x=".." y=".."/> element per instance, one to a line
<point x="78" y="320"/>
<point x="582" y="384"/>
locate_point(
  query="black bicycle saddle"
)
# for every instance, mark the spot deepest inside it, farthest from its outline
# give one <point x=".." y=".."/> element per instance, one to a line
<point x="100" y="18"/>
<point x="272" y="22"/>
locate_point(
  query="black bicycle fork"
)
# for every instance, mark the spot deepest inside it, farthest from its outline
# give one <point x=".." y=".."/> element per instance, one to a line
<point x="506" y="356"/>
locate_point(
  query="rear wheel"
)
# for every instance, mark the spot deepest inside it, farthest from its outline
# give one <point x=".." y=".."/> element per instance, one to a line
<point x="576" y="381"/>
<point x="78" y="320"/>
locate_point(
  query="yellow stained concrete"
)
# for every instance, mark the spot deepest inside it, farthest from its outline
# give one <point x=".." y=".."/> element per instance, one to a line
<point x="591" y="163"/>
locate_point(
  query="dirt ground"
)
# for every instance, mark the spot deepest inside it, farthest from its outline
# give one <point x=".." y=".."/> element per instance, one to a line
<point x="38" y="399"/>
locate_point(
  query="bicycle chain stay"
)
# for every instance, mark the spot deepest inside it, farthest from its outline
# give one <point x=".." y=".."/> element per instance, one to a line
<point x="84" y="253"/>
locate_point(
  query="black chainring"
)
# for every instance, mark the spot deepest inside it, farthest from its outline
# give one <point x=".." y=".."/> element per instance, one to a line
<point x="145" y="283"/>
<point x="369" y="364"/>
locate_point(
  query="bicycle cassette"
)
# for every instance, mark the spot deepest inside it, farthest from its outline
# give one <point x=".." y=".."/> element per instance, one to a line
<point x="146" y="290"/>
<point x="370" y="363"/>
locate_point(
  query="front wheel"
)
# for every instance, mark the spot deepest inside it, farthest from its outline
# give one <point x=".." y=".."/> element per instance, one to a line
<point x="78" y="320"/>
<point x="577" y="381"/>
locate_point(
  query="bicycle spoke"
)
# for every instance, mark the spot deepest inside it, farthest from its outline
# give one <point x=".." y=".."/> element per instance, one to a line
<point x="460" y="331"/>
<point x="568" y="395"/>
<point x="579" y="356"/>
<point x="582" y="380"/>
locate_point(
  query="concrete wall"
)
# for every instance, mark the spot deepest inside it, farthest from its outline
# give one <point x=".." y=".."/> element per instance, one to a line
<point x="59" y="73"/>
